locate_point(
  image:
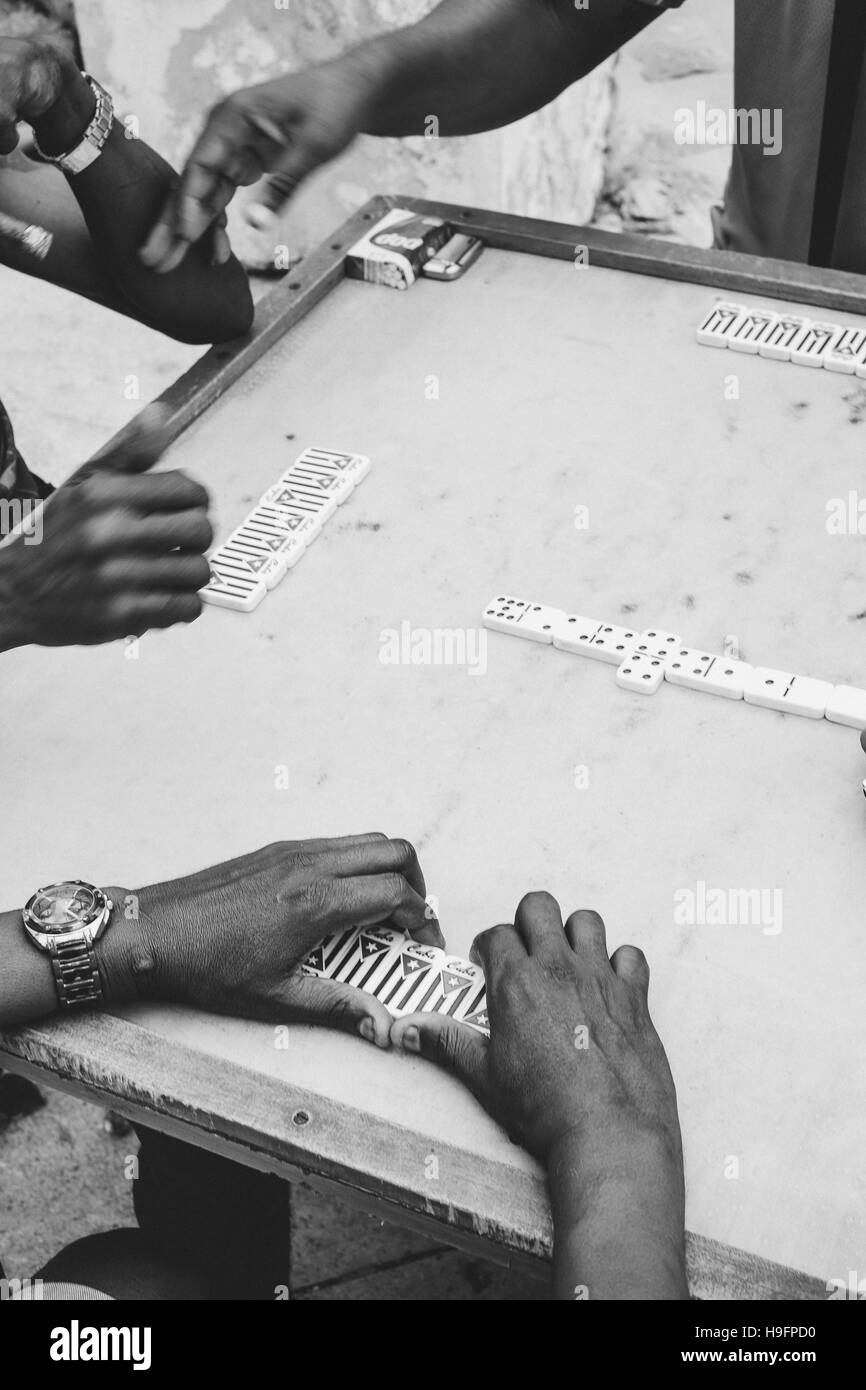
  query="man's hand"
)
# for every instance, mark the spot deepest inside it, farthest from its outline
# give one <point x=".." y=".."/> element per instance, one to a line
<point x="231" y="938"/>
<point x="36" y="78"/>
<point x="576" y="1073"/>
<point x="285" y="128"/>
<point x="572" y="1047"/>
<point x="121" y="551"/>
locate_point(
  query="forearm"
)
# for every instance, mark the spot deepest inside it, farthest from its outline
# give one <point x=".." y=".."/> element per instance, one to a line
<point x="482" y="65"/>
<point x="120" y="196"/>
<point x="11" y="627"/>
<point x="621" y="1235"/>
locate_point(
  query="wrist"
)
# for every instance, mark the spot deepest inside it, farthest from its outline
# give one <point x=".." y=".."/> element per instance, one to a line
<point x="371" y="69"/>
<point x="63" y="125"/>
<point x="619" y="1214"/>
<point x="125" y="953"/>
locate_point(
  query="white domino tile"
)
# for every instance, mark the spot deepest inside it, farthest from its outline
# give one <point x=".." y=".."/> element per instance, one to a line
<point x="574" y="633"/>
<point x="688" y="666"/>
<point x="845" y="352"/>
<point x="278" y="506"/>
<point x="355" y="467"/>
<point x="791" y="694"/>
<point x="847" y="705"/>
<point x="234" y="559"/>
<point x="781" y="337"/>
<point x="750" y="330"/>
<point x="809" y="349"/>
<point x="656" y="642"/>
<point x="230" y="590"/>
<point x="641" y="672"/>
<point x="726" y="678"/>
<point x="304" y="498"/>
<point x="502" y="613"/>
<point x="539" y="623"/>
<point x="611" y="644"/>
<point x="533" y="621"/>
<point x="720" y="322"/>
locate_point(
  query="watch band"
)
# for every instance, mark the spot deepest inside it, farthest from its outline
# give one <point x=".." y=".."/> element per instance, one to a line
<point x="90" y="147"/>
<point x="76" y="973"/>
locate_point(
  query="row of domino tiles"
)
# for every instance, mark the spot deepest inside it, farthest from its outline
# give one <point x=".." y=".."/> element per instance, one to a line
<point x="402" y="974"/>
<point x="277" y="532"/>
<point x="786" y="337"/>
<point x="645" y="659"/>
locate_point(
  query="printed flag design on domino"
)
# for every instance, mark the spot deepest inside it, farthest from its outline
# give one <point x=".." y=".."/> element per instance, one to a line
<point x="230" y="589"/>
<point x="407" y="977"/>
<point x="276" y="533"/>
<point x="359" y="965"/>
<point x="353" y="466"/>
<point x="720" y="322"/>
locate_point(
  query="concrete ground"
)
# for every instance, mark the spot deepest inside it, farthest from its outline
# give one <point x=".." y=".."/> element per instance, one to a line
<point x="70" y="375"/>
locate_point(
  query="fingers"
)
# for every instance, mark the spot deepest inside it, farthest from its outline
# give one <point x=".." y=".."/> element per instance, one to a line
<point x="631" y="965"/>
<point x="155" y="492"/>
<point x="496" y="948"/>
<point x="586" y="934"/>
<point x="118" y="532"/>
<point x="135" y="449"/>
<point x="379" y="898"/>
<point x="333" y="1005"/>
<point x="131" y="615"/>
<point x="376" y="855"/>
<point x="231" y="151"/>
<point x="222" y="247"/>
<point x="175" y="571"/>
<point x="538" y="922"/>
<point x="452" y="1046"/>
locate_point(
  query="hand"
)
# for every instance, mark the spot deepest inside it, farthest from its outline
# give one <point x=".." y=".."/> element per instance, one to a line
<point x="573" y="1055"/>
<point x="35" y="77"/>
<point x="576" y="1072"/>
<point x="231" y="938"/>
<point x="120" y="550"/>
<point x="285" y="128"/>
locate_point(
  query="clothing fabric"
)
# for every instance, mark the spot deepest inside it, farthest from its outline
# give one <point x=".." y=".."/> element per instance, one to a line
<point x="788" y="70"/>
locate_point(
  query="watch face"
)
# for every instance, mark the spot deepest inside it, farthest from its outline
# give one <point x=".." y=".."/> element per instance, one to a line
<point x="64" y="906"/>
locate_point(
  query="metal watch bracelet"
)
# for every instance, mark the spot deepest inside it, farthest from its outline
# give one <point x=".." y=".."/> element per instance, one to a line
<point x="76" y="973"/>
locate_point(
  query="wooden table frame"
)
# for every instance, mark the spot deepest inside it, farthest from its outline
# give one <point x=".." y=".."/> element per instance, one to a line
<point x="267" y="1124"/>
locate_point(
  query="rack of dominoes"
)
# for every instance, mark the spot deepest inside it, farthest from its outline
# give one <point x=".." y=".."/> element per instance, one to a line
<point x="281" y="527"/>
<point x="644" y="660"/>
<point x="785" y="337"/>
<point x="405" y="976"/>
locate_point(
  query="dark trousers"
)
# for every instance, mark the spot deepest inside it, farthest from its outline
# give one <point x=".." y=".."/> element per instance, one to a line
<point x="230" y="1223"/>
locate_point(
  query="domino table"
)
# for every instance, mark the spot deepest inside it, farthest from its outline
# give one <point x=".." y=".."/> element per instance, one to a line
<point x="547" y="427"/>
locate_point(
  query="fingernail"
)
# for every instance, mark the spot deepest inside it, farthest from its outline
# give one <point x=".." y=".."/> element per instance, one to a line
<point x="368" y="1029"/>
<point x="410" y="1040"/>
<point x="260" y="217"/>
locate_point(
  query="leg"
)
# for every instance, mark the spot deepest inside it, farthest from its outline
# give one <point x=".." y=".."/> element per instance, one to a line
<point x="121" y="1264"/>
<point x="200" y="1208"/>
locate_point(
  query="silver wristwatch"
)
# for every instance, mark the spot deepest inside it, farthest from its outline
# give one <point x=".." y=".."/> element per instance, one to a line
<point x="90" y="147"/>
<point x="64" y="920"/>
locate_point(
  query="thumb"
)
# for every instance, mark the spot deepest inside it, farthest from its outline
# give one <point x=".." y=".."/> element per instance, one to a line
<point x="306" y="999"/>
<point x="453" y="1046"/>
<point x="863" y="740"/>
<point x="136" y="448"/>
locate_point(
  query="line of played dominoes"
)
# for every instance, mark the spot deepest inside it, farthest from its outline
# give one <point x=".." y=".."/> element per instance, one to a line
<point x="786" y="337"/>
<point x="406" y="977"/>
<point x="645" y="659"/>
<point x="278" y="530"/>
